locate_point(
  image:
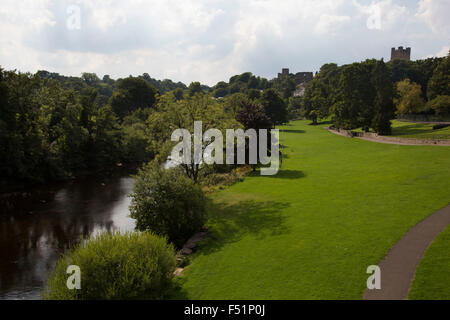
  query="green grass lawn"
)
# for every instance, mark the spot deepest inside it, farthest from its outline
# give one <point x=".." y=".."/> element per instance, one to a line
<point x="337" y="206"/>
<point x="432" y="280"/>
<point x="418" y="130"/>
<point x="414" y="130"/>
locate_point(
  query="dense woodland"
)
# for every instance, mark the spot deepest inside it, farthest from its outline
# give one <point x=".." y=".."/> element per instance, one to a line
<point x="56" y="127"/>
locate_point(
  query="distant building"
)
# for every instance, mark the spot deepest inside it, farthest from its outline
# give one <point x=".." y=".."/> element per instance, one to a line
<point x="284" y="73"/>
<point x="301" y="80"/>
<point x="400" y="53"/>
<point x="299" y="77"/>
<point x="300" y="90"/>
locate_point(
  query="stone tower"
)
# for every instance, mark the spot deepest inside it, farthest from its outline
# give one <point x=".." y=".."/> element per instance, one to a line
<point x="400" y="53"/>
<point x="284" y="73"/>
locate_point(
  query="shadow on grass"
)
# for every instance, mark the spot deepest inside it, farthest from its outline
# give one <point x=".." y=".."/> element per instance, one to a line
<point x="230" y="222"/>
<point x="411" y="130"/>
<point x="288" y="174"/>
<point x="282" y="174"/>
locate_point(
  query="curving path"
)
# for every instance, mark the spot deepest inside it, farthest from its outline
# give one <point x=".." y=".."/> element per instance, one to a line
<point x="392" y="140"/>
<point x="399" y="266"/>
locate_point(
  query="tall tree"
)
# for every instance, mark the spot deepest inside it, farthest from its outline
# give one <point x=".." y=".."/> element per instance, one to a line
<point x="354" y="107"/>
<point x="384" y="107"/>
<point x="440" y="105"/>
<point x="171" y="115"/>
<point x="315" y="101"/>
<point x="274" y="106"/>
<point x="439" y="84"/>
<point x="194" y="88"/>
<point x="252" y="116"/>
<point x="409" y="98"/>
<point x="90" y="78"/>
<point x="132" y="94"/>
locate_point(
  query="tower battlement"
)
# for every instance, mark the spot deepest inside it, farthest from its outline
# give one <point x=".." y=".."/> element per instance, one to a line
<point x="400" y="53"/>
<point x="284" y="73"/>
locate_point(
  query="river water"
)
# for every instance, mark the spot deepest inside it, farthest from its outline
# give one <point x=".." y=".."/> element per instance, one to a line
<point x="32" y="239"/>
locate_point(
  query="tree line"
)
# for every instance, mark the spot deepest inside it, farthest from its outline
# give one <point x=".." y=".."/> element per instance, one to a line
<point x="371" y="93"/>
<point x="55" y="127"/>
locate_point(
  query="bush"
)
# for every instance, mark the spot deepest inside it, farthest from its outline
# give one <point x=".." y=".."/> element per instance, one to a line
<point x="167" y="203"/>
<point x="116" y="266"/>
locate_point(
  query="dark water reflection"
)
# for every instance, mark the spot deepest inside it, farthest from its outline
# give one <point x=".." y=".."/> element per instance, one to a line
<point x="32" y="241"/>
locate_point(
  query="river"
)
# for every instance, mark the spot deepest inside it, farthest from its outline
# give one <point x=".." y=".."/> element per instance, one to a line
<point x="33" y="238"/>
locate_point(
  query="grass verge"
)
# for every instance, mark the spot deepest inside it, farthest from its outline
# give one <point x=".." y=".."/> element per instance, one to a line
<point x="432" y="281"/>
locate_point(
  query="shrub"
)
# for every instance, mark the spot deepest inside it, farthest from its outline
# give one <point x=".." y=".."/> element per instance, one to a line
<point x="116" y="266"/>
<point x="167" y="203"/>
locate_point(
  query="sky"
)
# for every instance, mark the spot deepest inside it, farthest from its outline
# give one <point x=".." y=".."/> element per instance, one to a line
<point x="212" y="40"/>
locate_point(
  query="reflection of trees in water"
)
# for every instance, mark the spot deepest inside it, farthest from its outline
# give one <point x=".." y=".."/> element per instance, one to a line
<point x="30" y="245"/>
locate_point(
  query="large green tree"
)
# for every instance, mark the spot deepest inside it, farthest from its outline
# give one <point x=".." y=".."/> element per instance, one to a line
<point x="315" y="101"/>
<point x="383" y="103"/>
<point x="440" y="105"/>
<point x="171" y="115"/>
<point x="409" y="98"/>
<point x="439" y="83"/>
<point x="274" y="106"/>
<point x="355" y="97"/>
<point x="194" y="88"/>
<point x="132" y="94"/>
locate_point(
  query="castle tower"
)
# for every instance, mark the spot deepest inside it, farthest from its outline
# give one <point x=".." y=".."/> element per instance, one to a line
<point x="284" y="73"/>
<point x="400" y="53"/>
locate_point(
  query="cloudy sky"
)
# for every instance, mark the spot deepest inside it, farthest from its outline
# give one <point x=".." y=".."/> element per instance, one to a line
<point x="211" y="40"/>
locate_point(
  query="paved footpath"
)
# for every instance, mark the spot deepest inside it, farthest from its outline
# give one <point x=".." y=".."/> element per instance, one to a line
<point x="393" y="140"/>
<point x="399" y="266"/>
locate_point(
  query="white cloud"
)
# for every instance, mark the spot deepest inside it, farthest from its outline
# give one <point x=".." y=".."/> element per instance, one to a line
<point x="443" y="52"/>
<point x="329" y="24"/>
<point x="209" y="40"/>
<point x="28" y="13"/>
<point x="436" y="13"/>
<point x="388" y="13"/>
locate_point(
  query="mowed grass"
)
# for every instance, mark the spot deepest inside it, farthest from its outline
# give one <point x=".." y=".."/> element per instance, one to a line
<point x="412" y="130"/>
<point x="432" y="281"/>
<point x="418" y="130"/>
<point x="336" y="207"/>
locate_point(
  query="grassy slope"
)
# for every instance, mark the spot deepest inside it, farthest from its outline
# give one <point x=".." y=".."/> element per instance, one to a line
<point x="432" y="280"/>
<point x="413" y="130"/>
<point x="337" y="206"/>
<point x="418" y="131"/>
